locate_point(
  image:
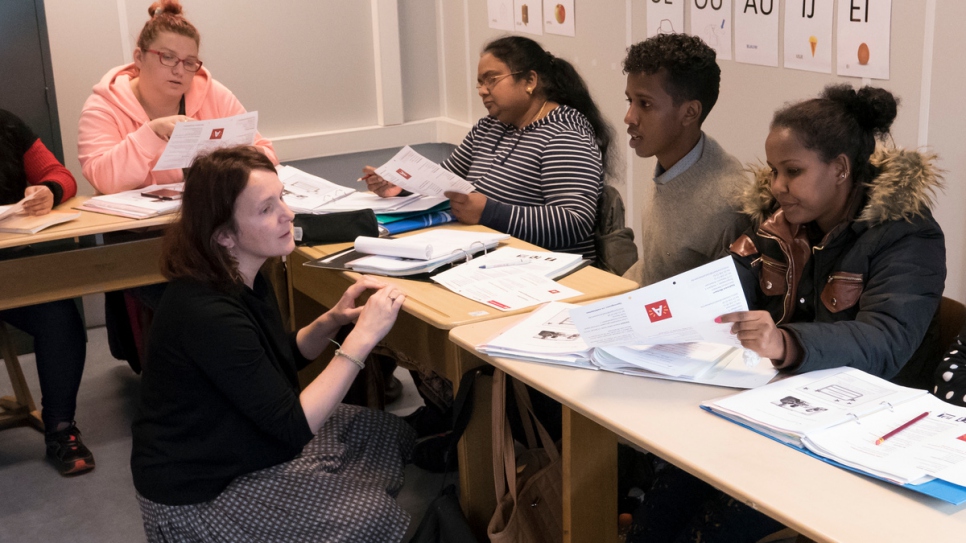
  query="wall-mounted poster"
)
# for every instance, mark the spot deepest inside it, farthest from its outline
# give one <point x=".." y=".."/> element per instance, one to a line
<point x="808" y="35"/>
<point x="665" y="17"/>
<point x="864" y="38"/>
<point x="499" y="14"/>
<point x="756" y="32"/>
<point x="711" y="21"/>
<point x="558" y="17"/>
<point x="528" y="16"/>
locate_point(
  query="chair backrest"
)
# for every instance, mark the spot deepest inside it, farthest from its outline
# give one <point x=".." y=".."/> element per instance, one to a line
<point x="616" y="250"/>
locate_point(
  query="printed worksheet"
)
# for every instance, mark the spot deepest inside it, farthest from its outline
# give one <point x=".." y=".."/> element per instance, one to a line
<point x="419" y="175"/>
<point x="192" y="138"/>
<point x="680" y="309"/>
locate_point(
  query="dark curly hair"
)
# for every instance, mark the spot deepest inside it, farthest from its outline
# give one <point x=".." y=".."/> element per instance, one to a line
<point x="692" y="73"/>
<point x="842" y="121"/>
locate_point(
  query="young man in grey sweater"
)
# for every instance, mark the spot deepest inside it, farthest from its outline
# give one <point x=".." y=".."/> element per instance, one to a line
<point x="690" y="211"/>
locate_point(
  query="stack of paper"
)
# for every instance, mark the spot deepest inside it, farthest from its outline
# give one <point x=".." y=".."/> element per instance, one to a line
<point x="138" y="203"/>
<point x="420" y="253"/>
<point x="307" y="193"/>
<point x="419" y="175"/>
<point x="397" y="204"/>
<point x="21" y="223"/>
<point x="509" y="279"/>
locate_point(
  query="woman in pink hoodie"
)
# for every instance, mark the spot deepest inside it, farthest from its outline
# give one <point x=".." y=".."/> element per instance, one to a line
<point x="126" y="122"/>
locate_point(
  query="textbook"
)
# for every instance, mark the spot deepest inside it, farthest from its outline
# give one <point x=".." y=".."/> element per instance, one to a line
<point x="420" y="253"/>
<point x="549" y="335"/>
<point x="414" y="222"/>
<point x="855" y="420"/>
<point x="141" y="203"/>
<point x="307" y="193"/>
<point x="20" y="223"/>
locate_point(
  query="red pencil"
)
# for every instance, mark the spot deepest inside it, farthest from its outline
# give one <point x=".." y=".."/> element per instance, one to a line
<point x="901" y="428"/>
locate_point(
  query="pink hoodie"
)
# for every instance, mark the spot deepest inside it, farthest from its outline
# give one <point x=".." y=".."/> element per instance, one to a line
<point x="117" y="148"/>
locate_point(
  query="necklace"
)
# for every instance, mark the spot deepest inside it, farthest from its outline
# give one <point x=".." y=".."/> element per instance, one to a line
<point x="535" y="116"/>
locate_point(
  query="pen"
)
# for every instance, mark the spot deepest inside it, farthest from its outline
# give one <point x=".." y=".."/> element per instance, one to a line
<point x="901" y="428"/>
<point x="503" y="264"/>
<point x="367" y="176"/>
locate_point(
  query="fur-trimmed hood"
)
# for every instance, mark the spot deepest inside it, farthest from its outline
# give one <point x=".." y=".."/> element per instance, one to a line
<point x="905" y="187"/>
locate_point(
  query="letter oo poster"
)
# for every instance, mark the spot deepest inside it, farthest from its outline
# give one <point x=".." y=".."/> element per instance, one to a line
<point x="711" y="21"/>
<point x="864" y="38"/>
<point x="808" y="35"/>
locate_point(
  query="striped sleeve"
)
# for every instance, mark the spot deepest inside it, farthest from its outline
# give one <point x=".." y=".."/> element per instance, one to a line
<point x="461" y="158"/>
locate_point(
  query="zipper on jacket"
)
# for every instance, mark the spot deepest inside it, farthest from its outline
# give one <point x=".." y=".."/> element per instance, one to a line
<point x="788" y="273"/>
<point x="844" y="278"/>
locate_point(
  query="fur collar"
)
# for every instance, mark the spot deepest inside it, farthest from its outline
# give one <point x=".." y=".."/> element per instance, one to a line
<point x="904" y="189"/>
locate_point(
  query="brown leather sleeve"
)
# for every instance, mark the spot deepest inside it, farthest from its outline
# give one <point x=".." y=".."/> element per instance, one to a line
<point x="793" y="353"/>
<point x="743" y="246"/>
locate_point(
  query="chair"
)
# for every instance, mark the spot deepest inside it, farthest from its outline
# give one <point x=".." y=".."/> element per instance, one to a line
<point x="614" y="242"/>
<point x="19" y="409"/>
<point x="952" y="316"/>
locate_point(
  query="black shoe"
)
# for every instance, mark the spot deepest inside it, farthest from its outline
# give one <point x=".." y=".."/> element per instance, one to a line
<point x="433" y="454"/>
<point x="429" y="421"/>
<point x="66" y="451"/>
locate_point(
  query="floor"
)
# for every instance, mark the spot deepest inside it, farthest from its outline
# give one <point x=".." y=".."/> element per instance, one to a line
<point x="38" y="505"/>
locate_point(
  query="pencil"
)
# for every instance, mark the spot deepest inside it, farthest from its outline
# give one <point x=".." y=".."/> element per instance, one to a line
<point x="901" y="428"/>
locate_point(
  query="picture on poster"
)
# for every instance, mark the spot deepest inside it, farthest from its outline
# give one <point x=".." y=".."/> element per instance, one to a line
<point x="528" y="16"/>
<point x="711" y="21"/>
<point x="499" y="14"/>
<point x="756" y="32"/>
<point x="808" y="35"/>
<point x="864" y="38"/>
<point x="666" y="17"/>
<point x="558" y="17"/>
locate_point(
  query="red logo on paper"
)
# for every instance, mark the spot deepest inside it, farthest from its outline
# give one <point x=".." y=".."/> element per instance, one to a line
<point x="658" y="311"/>
<point x="962" y="437"/>
<point x="403" y="173"/>
<point x="553" y="291"/>
<point x="217" y="133"/>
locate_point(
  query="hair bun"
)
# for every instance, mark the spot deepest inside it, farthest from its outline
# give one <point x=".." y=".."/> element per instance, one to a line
<point x="172" y="7"/>
<point x="873" y="108"/>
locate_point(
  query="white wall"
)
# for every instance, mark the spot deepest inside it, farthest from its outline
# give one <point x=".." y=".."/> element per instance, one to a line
<point x="308" y="67"/>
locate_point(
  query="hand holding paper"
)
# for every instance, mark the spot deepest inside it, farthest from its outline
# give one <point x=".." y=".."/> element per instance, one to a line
<point x="756" y="330"/>
<point x="417" y="174"/>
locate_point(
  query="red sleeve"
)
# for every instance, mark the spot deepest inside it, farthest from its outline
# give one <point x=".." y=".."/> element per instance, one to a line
<point x="41" y="165"/>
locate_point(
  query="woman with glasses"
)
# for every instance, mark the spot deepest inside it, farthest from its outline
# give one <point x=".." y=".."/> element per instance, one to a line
<point x="126" y="122"/>
<point x="537" y="159"/>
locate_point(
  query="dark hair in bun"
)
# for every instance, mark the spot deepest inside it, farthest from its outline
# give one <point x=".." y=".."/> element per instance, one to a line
<point x="166" y="16"/>
<point x="842" y="121"/>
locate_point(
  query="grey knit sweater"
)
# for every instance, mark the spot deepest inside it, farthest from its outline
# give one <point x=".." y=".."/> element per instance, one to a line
<point x="692" y="219"/>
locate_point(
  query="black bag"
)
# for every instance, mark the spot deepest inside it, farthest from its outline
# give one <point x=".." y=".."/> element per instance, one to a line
<point x="444" y="521"/>
<point x="335" y="227"/>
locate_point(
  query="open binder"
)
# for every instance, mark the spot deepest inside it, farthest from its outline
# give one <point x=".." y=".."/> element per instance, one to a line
<point x="836" y="415"/>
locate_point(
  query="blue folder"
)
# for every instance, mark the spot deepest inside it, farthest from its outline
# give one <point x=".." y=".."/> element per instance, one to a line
<point x="936" y="488"/>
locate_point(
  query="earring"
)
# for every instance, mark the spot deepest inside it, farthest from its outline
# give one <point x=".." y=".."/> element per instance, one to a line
<point x="844" y="174"/>
<point x="529" y="90"/>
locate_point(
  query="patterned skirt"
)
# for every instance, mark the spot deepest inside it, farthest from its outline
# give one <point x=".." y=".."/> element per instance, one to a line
<point x="342" y="487"/>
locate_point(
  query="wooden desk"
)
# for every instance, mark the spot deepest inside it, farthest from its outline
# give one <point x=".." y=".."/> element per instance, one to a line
<point x="421" y="333"/>
<point x="67" y="274"/>
<point x="818" y="500"/>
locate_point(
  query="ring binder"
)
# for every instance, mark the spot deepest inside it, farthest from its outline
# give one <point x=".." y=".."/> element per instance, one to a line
<point x="888" y="404"/>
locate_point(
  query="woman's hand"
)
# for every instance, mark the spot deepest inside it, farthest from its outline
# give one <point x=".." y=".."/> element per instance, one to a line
<point x="375" y="320"/>
<point x="41" y="200"/>
<point x="378" y="185"/>
<point x="345" y="311"/>
<point x="757" y="331"/>
<point x="163" y="126"/>
<point x="467" y="208"/>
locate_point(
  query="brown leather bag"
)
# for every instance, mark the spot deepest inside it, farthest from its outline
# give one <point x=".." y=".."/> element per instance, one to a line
<point x="529" y="487"/>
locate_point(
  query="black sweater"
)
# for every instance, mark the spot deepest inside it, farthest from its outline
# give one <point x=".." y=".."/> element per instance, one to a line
<point x="219" y="394"/>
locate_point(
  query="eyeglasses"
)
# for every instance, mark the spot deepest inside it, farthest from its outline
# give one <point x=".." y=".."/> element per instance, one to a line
<point x="170" y="60"/>
<point x="491" y="81"/>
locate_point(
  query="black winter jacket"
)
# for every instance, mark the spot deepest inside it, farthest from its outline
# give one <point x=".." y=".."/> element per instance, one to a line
<point x="865" y="295"/>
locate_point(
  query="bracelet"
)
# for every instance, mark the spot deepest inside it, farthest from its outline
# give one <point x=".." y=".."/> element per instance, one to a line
<point x="356" y="361"/>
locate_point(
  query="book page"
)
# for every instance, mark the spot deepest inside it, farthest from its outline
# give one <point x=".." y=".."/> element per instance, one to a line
<point x="192" y="138"/>
<point x="417" y="174"/>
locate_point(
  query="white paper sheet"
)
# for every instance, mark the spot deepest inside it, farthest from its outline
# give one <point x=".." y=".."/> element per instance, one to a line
<point x="665" y="18"/>
<point x="558" y="17"/>
<point x="306" y="193"/>
<point x="528" y="16"/>
<point x="189" y="139"/>
<point x="756" y="32"/>
<point x="681" y="309"/>
<point x="864" y="38"/>
<point x="808" y="35"/>
<point x="504" y="288"/>
<point x="500" y="14"/>
<point x="711" y="21"/>
<point x="419" y="175"/>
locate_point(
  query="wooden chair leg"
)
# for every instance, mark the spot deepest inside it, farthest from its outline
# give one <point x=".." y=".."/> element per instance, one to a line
<point x="18" y="409"/>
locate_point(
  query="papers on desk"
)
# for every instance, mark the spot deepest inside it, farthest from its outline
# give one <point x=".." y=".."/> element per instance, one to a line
<point x="307" y="193"/>
<point x="138" y="203"/>
<point x="419" y="175"/>
<point x="192" y="138"/>
<point x="839" y="415"/>
<point x="549" y="335"/>
<point x="508" y="278"/>
<point x="21" y="223"/>
<point x="397" y="204"/>
<point x="420" y="253"/>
